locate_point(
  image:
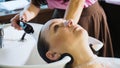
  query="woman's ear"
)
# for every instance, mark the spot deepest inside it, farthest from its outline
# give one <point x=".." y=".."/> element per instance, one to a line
<point x="52" y="55"/>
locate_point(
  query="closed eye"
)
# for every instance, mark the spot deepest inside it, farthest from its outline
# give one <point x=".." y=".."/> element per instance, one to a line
<point x="56" y="28"/>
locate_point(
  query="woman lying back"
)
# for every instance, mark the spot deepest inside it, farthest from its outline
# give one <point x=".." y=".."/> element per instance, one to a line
<point x="59" y="37"/>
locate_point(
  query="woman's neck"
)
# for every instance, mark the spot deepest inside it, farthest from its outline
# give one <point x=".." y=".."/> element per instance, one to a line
<point x="84" y="60"/>
<point x="83" y="56"/>
<point x="89" y="63"/>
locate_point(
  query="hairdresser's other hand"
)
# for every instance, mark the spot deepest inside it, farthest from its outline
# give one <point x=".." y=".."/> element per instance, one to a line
<point x="14" y="21"/>
<point x="17" y="18"/>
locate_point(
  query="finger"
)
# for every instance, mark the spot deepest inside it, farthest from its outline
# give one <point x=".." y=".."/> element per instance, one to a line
<point x="23" y="18"/>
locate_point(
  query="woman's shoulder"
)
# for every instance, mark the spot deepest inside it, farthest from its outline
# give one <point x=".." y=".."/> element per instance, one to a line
<point x="109" y="62"/>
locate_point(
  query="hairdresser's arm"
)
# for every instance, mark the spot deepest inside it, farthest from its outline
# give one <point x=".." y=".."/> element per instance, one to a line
<point x="74" y="10"/>
<point x="29" y="12"/>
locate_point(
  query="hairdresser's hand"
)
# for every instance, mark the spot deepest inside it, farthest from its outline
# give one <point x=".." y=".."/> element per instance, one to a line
<point x="14" y="22"/>
<point x="26" y="15"/>
<point x="17" y="18"/>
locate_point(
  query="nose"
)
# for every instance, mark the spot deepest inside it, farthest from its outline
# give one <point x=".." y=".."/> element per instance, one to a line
<point x="68" y="23"/>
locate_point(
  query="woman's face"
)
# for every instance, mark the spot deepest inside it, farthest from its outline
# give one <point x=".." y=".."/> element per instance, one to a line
<point x="62" y="34"/>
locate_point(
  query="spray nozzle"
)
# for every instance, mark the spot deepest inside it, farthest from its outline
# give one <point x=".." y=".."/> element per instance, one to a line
<point x="26" y="27"/>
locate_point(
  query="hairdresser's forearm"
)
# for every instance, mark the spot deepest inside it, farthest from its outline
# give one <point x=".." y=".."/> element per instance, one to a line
<point x="29" y="12"/>
<point x="74" y="10"/>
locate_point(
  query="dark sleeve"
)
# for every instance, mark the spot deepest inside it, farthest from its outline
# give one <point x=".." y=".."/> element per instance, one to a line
<point x="37" y="3"/>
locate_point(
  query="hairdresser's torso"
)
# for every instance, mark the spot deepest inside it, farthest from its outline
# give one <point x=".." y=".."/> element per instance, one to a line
<point x="60" y="4"/>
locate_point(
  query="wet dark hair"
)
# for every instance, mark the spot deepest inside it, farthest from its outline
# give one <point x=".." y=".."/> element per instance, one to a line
<point x="39" y="2"/>
<point x="43" y="47"/>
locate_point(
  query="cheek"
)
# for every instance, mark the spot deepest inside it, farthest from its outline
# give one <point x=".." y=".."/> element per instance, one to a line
<point x="65" y="34"/>
<point x="64" y="38"/>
